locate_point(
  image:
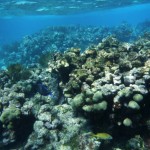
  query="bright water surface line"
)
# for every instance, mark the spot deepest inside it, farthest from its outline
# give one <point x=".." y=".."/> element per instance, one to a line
<point x="14" y="28"/>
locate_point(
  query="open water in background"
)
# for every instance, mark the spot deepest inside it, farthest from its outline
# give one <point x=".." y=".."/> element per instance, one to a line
<point x="13" y="28"/>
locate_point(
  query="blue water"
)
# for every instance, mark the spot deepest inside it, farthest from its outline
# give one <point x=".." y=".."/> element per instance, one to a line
<point x="46" y="50"/>
<point x="14" y="28"/>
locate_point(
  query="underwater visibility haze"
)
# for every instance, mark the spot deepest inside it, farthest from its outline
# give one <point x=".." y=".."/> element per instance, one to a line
<point x="74" y="75"/>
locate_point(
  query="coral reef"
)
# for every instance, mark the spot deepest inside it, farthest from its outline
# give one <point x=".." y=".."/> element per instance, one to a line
<point x="109" y="81"/>
<point x="17" y="72"/>
<point x="79" y="99"/>
<point x="37" y="47"/>
<point x="21" y="101"/>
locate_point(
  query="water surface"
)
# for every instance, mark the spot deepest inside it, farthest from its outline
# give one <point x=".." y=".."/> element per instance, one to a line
<point x="61" y="7"/>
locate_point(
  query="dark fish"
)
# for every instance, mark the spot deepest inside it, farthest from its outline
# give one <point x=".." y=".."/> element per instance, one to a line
<point x="43" y="89"/>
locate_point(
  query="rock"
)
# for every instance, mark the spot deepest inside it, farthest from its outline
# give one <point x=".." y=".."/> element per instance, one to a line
<point x="78" y="101"/>
<point x="89" y="93"/>
<point x="9" y="114"/>
<point x="136" y="143"/>
<point x="127" y="122"/>
<point x="117" y="80"/>
<point x="133" y="105"/>
<point x="98" y="96"/>
<point x="129" y="79"/>
<point x="100" y="106"/>
<point x="138" y="97"/>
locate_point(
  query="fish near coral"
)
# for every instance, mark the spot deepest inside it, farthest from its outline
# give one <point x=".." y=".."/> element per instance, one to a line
<point x="43" y="89"/>
<point x="102" y="136"/>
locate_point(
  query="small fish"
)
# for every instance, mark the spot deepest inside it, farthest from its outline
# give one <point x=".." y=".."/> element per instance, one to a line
<point x="102" y="136"/>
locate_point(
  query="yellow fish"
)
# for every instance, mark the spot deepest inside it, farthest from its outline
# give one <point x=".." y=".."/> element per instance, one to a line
<point x="102" y="136"/>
